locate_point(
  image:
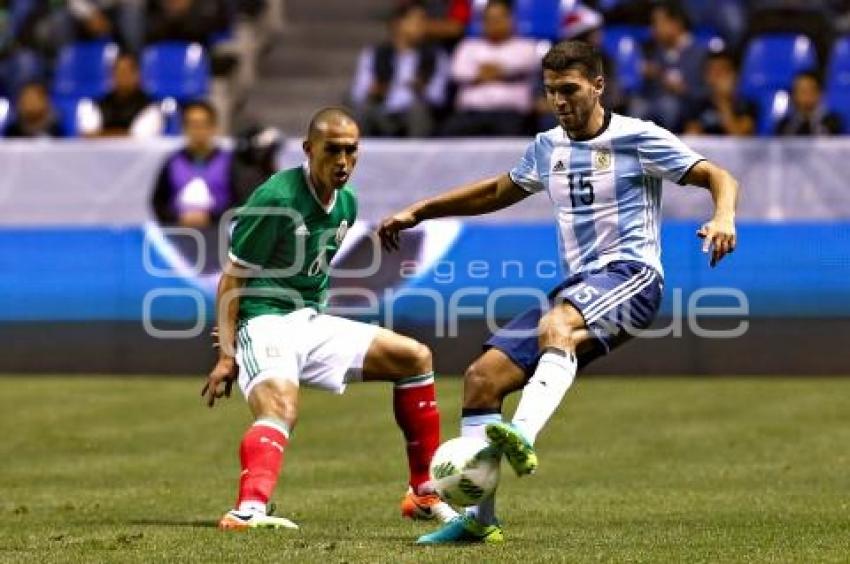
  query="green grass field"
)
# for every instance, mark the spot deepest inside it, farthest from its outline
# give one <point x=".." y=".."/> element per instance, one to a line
<point x="649" y="470"/>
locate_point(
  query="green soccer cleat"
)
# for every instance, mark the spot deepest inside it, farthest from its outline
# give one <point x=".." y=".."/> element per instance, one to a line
<point x="515" y="446"/>
<point x="463" y="529"/>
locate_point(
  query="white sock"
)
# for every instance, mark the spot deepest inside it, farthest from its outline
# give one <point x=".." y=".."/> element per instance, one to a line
<point x="473" y="426"/>
<point x="252" y="507"/>
<point x="544" y="391"/>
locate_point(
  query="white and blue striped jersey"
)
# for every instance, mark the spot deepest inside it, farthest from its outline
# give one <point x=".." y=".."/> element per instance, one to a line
<point x="606" y="190"/>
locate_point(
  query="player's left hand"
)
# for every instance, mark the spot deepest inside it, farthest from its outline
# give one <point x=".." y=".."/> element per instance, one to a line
<point x="225" y="372"/>
<point x="392" y="226"/>
<point x="718" y="236"/>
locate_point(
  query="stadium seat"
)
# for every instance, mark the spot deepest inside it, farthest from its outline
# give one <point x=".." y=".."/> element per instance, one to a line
<point x="172" y="117"/>
<point x="838" y="81"/>
<point x="709" y="38"/>
<point x="5" y="115"/>
<point x="84" y="69"/>
<point x="532" y="18"/>
<point x="623" y="45"/>
<point x="772" y="60"/>
<point x="773" y="106"/>
<point x="175" y="69"/>
<point x="74" y="112"/>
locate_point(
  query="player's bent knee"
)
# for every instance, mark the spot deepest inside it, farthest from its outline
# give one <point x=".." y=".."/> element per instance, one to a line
<point x="479" y="389"/>
<point x="560" y="330"/>
<point x="270" y="400"/>
<point x="422" y="359"/>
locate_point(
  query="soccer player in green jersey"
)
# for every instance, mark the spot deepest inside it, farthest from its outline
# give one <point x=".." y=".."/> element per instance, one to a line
<point x="274" y="336"/>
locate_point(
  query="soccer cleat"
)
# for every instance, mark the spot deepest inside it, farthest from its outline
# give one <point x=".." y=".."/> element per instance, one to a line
<point x="426" y="507"/>
<point x="515" y="446"/>
<point x="463" y="529"/>
<point x="237" y="521"/>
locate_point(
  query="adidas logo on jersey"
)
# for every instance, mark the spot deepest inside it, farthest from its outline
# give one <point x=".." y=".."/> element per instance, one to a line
<point x="559" y="167"/>
<point x="302" y="230"/>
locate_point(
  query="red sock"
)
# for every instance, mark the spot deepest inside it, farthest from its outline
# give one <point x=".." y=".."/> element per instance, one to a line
<point x="261" y="455"/>
<point x="415" y="406"/>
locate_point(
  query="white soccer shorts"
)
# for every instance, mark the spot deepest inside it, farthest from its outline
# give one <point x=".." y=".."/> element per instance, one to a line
<point x="318" y="350"/>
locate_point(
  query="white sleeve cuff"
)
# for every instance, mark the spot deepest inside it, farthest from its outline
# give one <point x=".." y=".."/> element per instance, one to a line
<point x="243" y="263"/>
<point x="521" y="184"/>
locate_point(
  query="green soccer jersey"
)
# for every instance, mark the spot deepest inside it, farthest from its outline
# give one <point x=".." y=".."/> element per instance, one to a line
<point x="288" y="238"/>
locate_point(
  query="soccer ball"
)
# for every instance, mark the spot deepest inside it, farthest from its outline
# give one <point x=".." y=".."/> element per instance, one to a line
<point x="464" y="471"/>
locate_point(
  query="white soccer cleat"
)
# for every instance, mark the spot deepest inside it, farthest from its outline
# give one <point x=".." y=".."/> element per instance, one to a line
<point x="241" y="521"/>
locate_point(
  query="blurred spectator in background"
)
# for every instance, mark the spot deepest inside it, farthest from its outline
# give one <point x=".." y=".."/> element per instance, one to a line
<point x="720" y="111"/>
<point x="495" y="78"/>
<point x="34" y="115"/>
<point x="808" y="115"/>
<point x="447" y="20"/>
<point x="583" y="24"/>
<point x="30" y="34"/>
<point x="119" y="20"/>
<point x="255" y="155"/>
<point x="400" y="83"/>
<point x="673" y="68"/>
<point x="727" y="17"/>
<point x="195" y="186"/>
<point x="126" y="109"/>
<point x="194" y="21"/>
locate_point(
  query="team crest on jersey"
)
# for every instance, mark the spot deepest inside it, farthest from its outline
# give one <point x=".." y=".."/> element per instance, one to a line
<point x="341" y="231"/>
<point x="602" y="159"/>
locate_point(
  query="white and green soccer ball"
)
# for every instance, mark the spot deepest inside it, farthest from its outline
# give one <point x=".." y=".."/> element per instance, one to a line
<point x="465" y="471"/>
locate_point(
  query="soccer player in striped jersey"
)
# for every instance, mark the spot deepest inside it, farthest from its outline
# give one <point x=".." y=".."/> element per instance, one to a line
<point x="274" y="334"/>
<point x="603" y="174"/>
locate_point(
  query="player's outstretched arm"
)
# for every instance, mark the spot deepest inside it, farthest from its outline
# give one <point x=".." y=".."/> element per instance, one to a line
<point x="477" y="198"/>
<point x="227" y="310"/>
<point x="718" y="234"/>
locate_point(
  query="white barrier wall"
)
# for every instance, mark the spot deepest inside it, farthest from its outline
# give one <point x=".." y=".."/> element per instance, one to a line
<point x="108" y="182"/>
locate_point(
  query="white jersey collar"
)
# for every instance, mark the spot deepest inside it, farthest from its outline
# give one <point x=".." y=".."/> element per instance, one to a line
<point x="328" y="208"/>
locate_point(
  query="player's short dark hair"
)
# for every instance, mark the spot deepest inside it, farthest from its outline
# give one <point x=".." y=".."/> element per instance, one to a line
<point x="673" y="10"/>
<point x="579" y="55"/>
<point x="326" y="114"/>
<point x="202" y="105"/>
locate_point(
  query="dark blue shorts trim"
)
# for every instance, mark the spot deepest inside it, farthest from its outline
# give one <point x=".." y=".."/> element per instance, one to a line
<point x="615" y="301"/>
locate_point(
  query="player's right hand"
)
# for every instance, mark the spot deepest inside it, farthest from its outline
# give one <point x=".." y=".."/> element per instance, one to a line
<point x="392" y="226"/>
<point x="224" y="372"/>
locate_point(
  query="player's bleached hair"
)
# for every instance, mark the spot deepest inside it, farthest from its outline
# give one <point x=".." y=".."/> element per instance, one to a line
<point x="580" y="55"/>
<point x="326" y="116"/>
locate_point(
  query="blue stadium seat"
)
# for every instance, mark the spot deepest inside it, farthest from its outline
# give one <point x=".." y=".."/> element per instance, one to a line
<point x="838" y="81"/>
<point x="773" y="106"/>
<point x="772" y="60"/>
<point x="532" y="18"/>
<point x="613" y="34"/>
<point x="709" y="38"/>
<point x="5" y="115"/>
<point x="623" y="45"/>
<point x="172" y="116"/>
<point x="175" y="69"/>
<point x="84" y="69"/>
<point x="67" y="108"/>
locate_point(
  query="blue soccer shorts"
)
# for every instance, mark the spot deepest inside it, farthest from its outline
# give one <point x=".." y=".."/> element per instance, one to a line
<point x="616" y="301"/>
